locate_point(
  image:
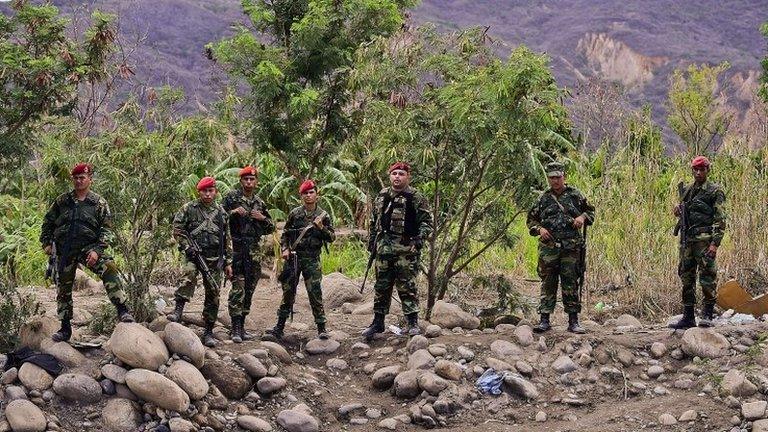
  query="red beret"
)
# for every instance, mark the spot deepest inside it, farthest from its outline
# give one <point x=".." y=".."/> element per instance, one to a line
<point x="400" y="166"/>
<point x="205" y="183"/>
<point x="700" y="162"/>
<point x="307" y="185"/>
<point x="82" y="168"/>
<point x="249" y="171"/>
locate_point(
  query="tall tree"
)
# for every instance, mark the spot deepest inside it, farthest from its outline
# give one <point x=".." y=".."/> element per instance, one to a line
<point x="474" y="128"/>
<point x="293" y="64"/>
<point x="694" y="113"/>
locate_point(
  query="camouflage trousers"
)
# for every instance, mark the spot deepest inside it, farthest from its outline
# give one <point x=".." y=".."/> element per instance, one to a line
<point x="396" y="271"/>
<point x="693" y="258"/>
<point x="309" y="267"/>
<point x="243" y="285"/>
<point x="188" y="283"/>
<point x="563" y="264"/>
<point x="104" y="268"/>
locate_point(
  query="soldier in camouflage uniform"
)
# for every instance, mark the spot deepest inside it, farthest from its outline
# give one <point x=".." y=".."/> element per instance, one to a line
<point x="557" y="218"/>
<point x="306" y="230"/>
<point x="248" y="221"/>
<point x="79" y="225"/>
<point x="704" y="202"/>
<point x="400" y="224"/>
<point x="204" y="222"/>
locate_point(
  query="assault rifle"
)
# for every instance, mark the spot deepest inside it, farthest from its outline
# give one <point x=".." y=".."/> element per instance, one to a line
<point x="681" y="228"/>
<point x="194" y="254"/>
<point x="371" y="259"/>
<point x="582" y="260"/>
<point x="52" y="271"/>
<point x="290" y="272"/>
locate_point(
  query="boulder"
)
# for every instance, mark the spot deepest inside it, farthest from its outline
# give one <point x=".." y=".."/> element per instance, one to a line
<point x="253" y="366"/>
<point x="178" y="424"/>
<point x="416" y="343"/>
<point x="364" y="309"/>
<point x="504" y="348"/>
<point x="77" y="388"/>
<point x="448" y="369"/>
<point x="34" y="377"/>
<point x="754" y="410"/>
<point x="65" y="354"/>
<point x="658" y="349"/>
<point x="24" y="416"/>
<point x="628" y="321"/>
<point x="705" y="343"/>
<point x="406" y="384"/>
<point x="189" y="378"/>
<point x="277" y="351"/>
<point x="121" y="415"/>
<point x="269" y="385"/>
<point x="421" y="359"/>
<point x="339" y="289"/>
<point x="183" y="341"/>
<point x="524" y="335"/>
<point x="253" y="424"/>
<point x="320" y="346"/>
<point x="760" y="425"/>
<point x="433" y="331"/>
<point x="449" y="315"/>
<point x="114" y="372"/>
<point x="521" y="387"/>
<point x="498" y="365"/>
<point x="37" y="330"/>
<point x="9" y="376"/>
<point x="233" y="381"/>
<point x="15" y="392"/>
<point x="137" y="346"/>
<point x="337" y="363"/>
<point x="383" y="378"/>
<point x="153" y="387"/>
<point x="432" y="383"/>
<point x="297" y="421"/>
<point x="564" y="364"/>
<point x="735" y="383"/>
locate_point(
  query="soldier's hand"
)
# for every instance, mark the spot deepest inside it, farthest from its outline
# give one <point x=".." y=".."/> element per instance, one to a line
<point x="318" y="222"/>
<point x="90" y="261"/>
<point x="48" y="250"/>
<point x="259" y="216"/>
<point x="228" y="271"/>
<point x="676" y="210"/>
<point x="545" y="235"/>
<point x="578" y="222"/>
<point x="711" y="251"/>
<point x="241" y="211"/>
<point x="285" y="254"/>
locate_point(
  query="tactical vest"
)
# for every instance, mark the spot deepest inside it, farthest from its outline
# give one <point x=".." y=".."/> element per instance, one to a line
<point x="398" y="216"/>
<point x="77" y="224"/>
<point x="557" y="216"/>
<point x="207" y="228"/>
<point x="700" y="208"/>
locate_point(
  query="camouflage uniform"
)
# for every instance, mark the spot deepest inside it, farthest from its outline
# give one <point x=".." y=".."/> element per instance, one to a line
<point x="706" y="225"/>
<point x="400" y="223"/>
<point x="207" y="225"/>
<point x="79" y="227"/>
<point x="246" y="245"/>
<point x="560" y="258"/>
<point x="307" y="259"/>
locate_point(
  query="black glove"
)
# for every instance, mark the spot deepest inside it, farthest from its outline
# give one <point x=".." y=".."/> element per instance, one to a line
<point x="189" y="252"/>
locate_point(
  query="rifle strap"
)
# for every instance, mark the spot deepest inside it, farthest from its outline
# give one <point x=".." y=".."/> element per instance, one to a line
<point x="208" y="222"/>
<point x="305" y="230"/>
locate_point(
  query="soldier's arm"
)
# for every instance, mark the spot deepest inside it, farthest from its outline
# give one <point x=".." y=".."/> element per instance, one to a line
<point x="718" y="223"/>
<point x="106" y="235"/>
<point x="533" y="221"/>
<point x="372" y="228"/>
<point x="227" y="239"/>
<point x="285" y="236"/>
<point x="49" y="224"/>
<point x="327" y="234"/>
<point x="228" y="203"/>
<point x="179" y="226"/>
<point x="424" y="219"/>
<point x="587" y="210"/>
<point x="267" y="225"/>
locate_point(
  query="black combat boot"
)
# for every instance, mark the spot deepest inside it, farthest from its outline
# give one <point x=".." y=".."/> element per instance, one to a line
<point x="321" y="333"/>
<point x="208" y="339"/>
<point x="413" y="324"/>
<point x="377" y="326"/>
<point x="707" y="315"/>
<point x="123" y="315"/>
<point x="276" y="332"/>
<point x="244" y="335"/>
<point x="543" y="325"/>
<point x="236" y="332"/>
<point x="573" y="324"/>
<point x="687" y="321"/>
<point x="64" y="333"/>
<point x="175" y="316"/>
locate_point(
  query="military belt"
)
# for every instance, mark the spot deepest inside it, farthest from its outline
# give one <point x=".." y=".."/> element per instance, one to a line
<point x="700" y="230"/>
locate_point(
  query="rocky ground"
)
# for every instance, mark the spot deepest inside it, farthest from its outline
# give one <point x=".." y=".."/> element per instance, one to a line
<point x="623" y="376"/>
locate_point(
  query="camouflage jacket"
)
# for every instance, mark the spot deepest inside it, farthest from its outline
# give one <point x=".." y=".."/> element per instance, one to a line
<point x="313" y="240"/>
<point x="246" y="227"/>
<point x="77" y="226"/>
<point x="399" y="221"/>
<point x="705" y="213"/>
<point x="556" y="214"/>
<point x="207" y="225"/>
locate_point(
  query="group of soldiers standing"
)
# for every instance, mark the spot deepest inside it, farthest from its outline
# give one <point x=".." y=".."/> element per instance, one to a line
<point x="226" y="240"/>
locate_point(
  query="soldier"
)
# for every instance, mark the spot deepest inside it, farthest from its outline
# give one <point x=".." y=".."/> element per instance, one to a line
<point x="400" y="224"/>
<point x="79" y="225"/>
<point x="557" y="218"/>
<point x="248" y="221"/>
<point x="200" y="228"/>
<point x="705" y="228"/>
<point x="307" y="229"/>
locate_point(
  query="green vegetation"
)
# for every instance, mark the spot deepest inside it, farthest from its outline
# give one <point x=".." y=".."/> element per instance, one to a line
<point x="763" y="90"/>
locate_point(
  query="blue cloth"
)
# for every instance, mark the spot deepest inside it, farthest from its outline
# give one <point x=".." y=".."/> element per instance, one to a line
<point x="490" y="382"/>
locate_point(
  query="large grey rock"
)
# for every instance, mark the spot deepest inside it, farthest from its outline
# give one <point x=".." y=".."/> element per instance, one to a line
<point x="383" y="378"/>
<point x="320" y="346"/>
<point x="416" y="343"/>
<point x="524" y="335"/>
<point x="760" y="425"/>
<point x="270" y="385"/>
<point x="449" y="315"/>
<point x="189" y="378"/>
<point x="406" y="384"/>
<point x="233" y="382"/>
<point x="138" y="346"/>
<point x="297" y="421"/>
<point x="121" y="415"/>
<point x="77" y="388"/>
<point x="277" y="351"/>
<point x="161" y="391"/>
<point x="114" y="372"/>
<point x="34" y="377"/>
<point x="705" y="343"/>
<point x="65" y="354"/>
<point x="736" y="383"/>
<point x="504" y="348"/>
<point x="339" y="289"/>
<point x="754" y="410"/>
<point x="628" y="321"/>
<point x="448" y="369"/>
<point x="37" y="331"/>
<point x="9" y="376"/>
<point x="253" y="424"/>
<point x="24" y="416"/>
<point x="13" y="393"/>
<point x="183" y="341"/>
<point x="178" y="424"/>
<point x="521" y="387"/>
<point x="432" y="383"/>
<point x="421" y="359"/>
<point x="564" y="364"/>
<point x="253" y="366"/>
